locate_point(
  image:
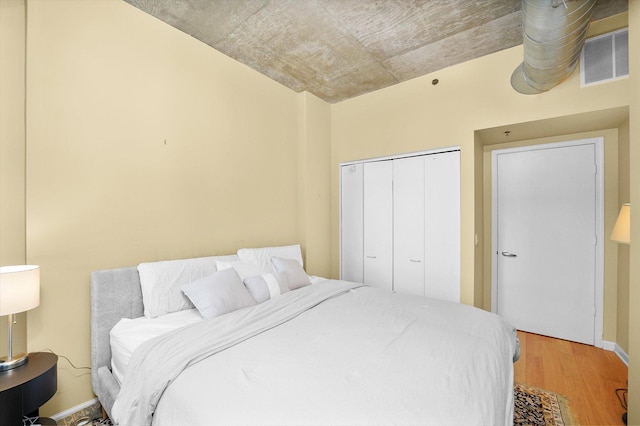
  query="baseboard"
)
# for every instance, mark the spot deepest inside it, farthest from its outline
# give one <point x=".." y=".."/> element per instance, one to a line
<point x="622" y="355"/>
<point x="614" y="347"/>
<point x="71" y="411"/>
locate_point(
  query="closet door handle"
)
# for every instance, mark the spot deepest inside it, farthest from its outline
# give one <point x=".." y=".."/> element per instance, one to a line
<point x="507" y="254"/>
<point x="372" y="257"/>
<point x="415" y="260"/>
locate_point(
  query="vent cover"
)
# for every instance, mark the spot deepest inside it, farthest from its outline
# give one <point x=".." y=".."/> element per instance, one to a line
<point x="605" y="58"/>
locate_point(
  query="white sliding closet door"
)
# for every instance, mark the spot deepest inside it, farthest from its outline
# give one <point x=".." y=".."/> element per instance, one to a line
<point x="352" y="223"/>
<point x="400" y="224"/>
<point x="442" y="226"/>
<point x="408" y="225"/>
<point x="378" y="224"/>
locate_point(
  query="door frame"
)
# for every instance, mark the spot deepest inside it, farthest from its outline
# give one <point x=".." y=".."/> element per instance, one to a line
<point x="598" y="143"/>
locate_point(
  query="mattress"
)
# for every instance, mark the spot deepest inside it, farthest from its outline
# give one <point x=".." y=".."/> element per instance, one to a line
<point x="361" y="356"/>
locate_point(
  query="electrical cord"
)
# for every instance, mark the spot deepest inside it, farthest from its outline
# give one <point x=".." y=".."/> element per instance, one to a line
<point x="67" y="359"/>
<point x="79" y="422"/>
<point x="621" y="393"/>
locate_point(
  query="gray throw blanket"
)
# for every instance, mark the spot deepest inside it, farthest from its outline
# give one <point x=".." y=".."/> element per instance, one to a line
<point x="157" y="363"/>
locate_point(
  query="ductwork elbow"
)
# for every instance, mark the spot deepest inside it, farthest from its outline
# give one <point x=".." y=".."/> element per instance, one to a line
<point x="553" y="32"/>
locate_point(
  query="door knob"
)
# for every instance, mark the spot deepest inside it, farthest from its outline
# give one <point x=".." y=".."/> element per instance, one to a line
<point x="507" y="254"/>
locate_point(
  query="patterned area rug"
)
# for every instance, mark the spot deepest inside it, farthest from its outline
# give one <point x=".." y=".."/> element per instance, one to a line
<point x="538" y="407"/>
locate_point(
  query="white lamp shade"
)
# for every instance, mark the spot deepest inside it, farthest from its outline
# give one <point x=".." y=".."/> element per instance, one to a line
<point x="19" y="288"/>
<point x="622" y="230"/>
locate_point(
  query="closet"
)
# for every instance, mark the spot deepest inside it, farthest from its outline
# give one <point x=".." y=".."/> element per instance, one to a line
<point x="400" y="224"/>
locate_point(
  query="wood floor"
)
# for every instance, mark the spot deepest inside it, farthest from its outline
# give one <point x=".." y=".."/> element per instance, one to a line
<point x="587" y="376"/>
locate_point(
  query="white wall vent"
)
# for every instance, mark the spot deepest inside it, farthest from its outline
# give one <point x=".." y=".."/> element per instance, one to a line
<point x="605" y="58"/>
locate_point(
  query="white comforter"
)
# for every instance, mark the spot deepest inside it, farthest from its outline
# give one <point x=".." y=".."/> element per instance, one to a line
<point x="361" y="356"/>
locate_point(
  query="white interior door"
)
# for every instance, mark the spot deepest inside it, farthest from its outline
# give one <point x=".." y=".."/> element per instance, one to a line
<point x="545" y="234"/>
<point x="378" y="224"/>
<point x="408" y="225"/>
<point x="442" y="225"/>
<point x="352" y="223"/>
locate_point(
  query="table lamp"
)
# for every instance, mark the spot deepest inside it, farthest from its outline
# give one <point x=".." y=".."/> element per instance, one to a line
<point x="19" y="292"/>
<point x="622" y="229"/>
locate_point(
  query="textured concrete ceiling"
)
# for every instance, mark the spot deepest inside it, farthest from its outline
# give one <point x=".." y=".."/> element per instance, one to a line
<point x="338" y="49"/>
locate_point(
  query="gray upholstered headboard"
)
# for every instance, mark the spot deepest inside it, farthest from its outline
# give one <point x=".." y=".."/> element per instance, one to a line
<point x="115" y="294"/>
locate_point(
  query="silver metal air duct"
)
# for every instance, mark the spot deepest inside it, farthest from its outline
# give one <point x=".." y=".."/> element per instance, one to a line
<point x="553" y="35"/>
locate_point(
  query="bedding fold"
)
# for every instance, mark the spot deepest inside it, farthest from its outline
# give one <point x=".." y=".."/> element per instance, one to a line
<point x="157" y="363"/>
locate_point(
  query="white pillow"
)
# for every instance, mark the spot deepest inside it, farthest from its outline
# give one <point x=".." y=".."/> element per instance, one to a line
<point x="296" y="277"/>
<point x="242" y="268"/>
<point x="161" y="283"/>
<point x="219" y="293"/>
<point x="267" y="286"/>
<point x="261" y="257"/>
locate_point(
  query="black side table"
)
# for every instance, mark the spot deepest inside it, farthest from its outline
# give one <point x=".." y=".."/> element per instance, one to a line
<point x="24" y="389"/>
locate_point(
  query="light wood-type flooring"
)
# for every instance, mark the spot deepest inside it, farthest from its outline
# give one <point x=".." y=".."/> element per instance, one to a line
<point x="587" y="376"/>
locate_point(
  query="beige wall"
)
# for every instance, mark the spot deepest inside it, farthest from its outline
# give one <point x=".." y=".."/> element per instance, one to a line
<point x="624" y="182"/>
<point x="108" y="85"/>
<point x="314" y="210"/>
<point x="634" y="257"/>
<point x="12" y="132"/>
<point x="144" y="144"/>
<point x="12" y="159"/>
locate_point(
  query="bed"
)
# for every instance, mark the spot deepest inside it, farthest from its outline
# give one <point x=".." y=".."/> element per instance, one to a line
<point x="300" y="350"/>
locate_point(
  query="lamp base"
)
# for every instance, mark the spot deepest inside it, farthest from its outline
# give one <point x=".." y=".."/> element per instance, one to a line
<point x="8" y="364"/>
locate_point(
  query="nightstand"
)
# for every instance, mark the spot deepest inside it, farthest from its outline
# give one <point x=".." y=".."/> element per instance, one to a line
<point x="24" y="389"/>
